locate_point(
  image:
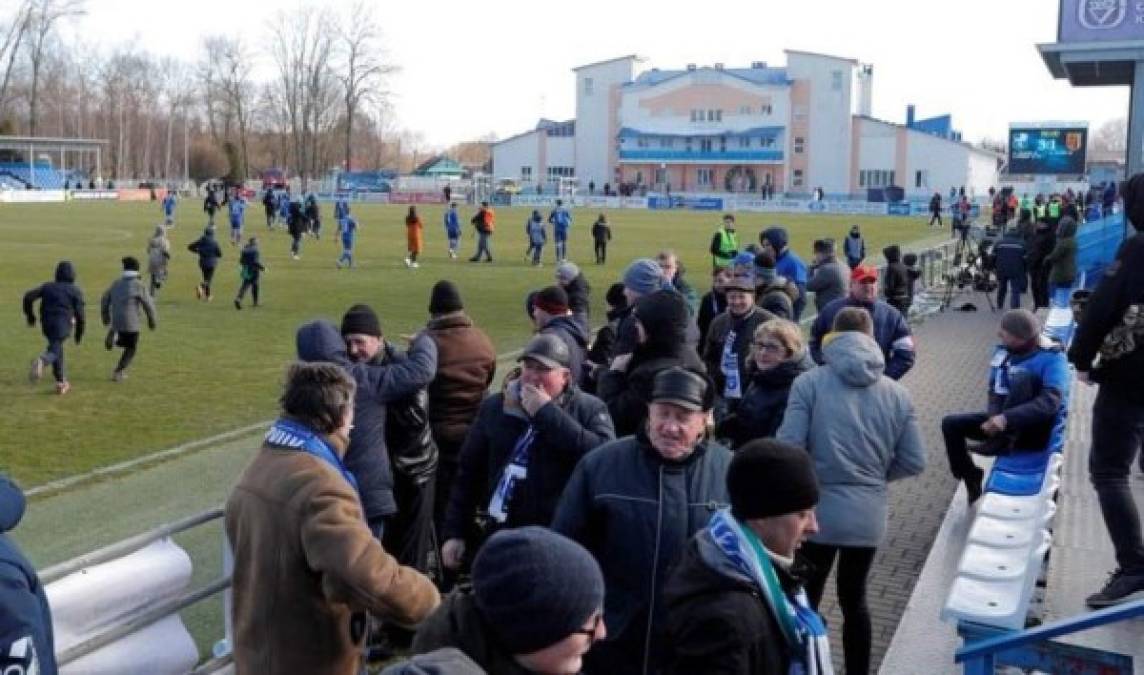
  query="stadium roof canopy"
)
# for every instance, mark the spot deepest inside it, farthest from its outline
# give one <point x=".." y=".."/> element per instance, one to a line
<point x="45" y="143"/>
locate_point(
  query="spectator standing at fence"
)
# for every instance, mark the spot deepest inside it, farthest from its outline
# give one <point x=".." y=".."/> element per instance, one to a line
<point x="119" y="309"/>
<point x="27" y="644"/>
<point x="1027" y="390"/>
<point x="860" y="429"/>
<point x="854" y="247"/>
<point x="158" y="258"/>
<point x="1062" y="259"/>
<point x="413" y="237"/>
<point x="169" y="203"/>
<point x="485" y="224"/>
<point x="561" y="221"/>
<point x="773" y="292"/>
<point x="601" y="235"/>
<point x="207" y="248"/>
<point x="827" y="275"/>
<point x="635" y="503"/>
<point x="306" y="566"/>
<point x="452" y="229"/>
<point x="897" y="280"/>
<point x="735" y="601"/>
<point x="891" y="331"/>
<point x="1107" y="351"/>
<point x="250" y="269"/>
<point x="642" y="277"/>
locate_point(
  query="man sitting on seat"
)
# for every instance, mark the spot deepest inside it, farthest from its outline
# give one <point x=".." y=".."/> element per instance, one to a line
<point x="1028" y="384"/>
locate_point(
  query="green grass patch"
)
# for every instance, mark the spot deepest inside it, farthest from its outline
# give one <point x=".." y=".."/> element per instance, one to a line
<point x="210" y="368"/>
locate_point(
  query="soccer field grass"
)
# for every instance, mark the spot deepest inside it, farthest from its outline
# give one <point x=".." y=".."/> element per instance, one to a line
<point x="209" y="368"/>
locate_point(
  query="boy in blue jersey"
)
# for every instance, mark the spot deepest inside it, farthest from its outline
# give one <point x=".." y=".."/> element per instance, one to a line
<point x="169" y="201"/>
<point x="452" y="229"/>
<point x="561" y="220"/>
<point x="236" y="206"/>
<point x="341" y="210"/>
<point x="284" y="207"/>
<point x="1028" y="390"/>
<point x="347" y="227"/>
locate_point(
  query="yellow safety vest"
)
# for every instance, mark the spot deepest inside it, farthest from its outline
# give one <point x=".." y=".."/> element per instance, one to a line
<point x="728" y="247"/>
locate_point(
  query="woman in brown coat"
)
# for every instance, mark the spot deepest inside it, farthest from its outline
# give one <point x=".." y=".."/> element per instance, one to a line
<point x="413" y="241"/>
<point x="306" y="567"/>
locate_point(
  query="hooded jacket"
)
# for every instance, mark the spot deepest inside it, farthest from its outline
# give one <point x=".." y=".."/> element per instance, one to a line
<point x="567" y="428"/>
<point x="158" y="253"/>
<point x="466" y="362"/>
<point x="896" y="283"/>
<point x="250" y="262"/>
<point x="854" y="246"/>
<point x="61" y="302"/>
<point x="891" y="332"/>
<point x="828" y="282"/>
<point x="458" y="623"/>
<point x="367" y="457"/>
<point x="627" y="393"/>
<point x="26" y="639"/>
<point x="717" y="620"/>
<point x="1042" y="243"/>
<point x="206" y="247"/>
<point x="120" y="305"/>
<point x="575" y="335"/>
<point x="764" y="402"/>
<point x="860" y="428"/>
<point x="578" y="292"/>
<point x="788" y="264"/>
<point x="306" y="567"/>
<point x="1063" y="257"/>
<point x="635" y="511"/>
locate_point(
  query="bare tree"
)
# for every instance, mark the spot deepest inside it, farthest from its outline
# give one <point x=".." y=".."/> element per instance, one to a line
<point x="1111" y="137"/>
<point x="42" y="20"/>
<point x="227" y="90"/>
<point x="14" y="33"/>
<point x="361" y="66"/>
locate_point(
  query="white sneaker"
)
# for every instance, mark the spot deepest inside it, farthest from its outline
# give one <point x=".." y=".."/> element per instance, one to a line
<point x="414" y="265"/>
<point x="408" y="262"/>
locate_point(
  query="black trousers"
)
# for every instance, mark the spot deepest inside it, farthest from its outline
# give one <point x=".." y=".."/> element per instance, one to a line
<point x="1117" y="434"/>
<point x="409" y="535"/>
<point x="854" y="565"/>
<point x="129" y="342"/>
<point x="601" y="252"/>
<point x="252" y="284"/>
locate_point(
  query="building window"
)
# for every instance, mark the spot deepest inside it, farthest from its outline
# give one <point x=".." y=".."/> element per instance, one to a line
<point x="797" y="181"/>
<point x="744" y="142"/>
<point x="666" y="142"/>
<point x="557" y="172"/>
<point x="642" y="142"/>
<point x="722" y="144"/>
<point x="745" y="110"/>
<point x="639" y="178"/>
<point x="766" y="109"/>
<point x="705" y="145"/>
<point x="836" y="80"/>
<point x="588" y="86"/>
<point x="705" y="177"/>
<point x="921" y="179"/>
<point x="799" y="145"/>
<point x="879" y="178"/>
<point x="688" y="148"/>
<point x="525" y="174"/>
<point x="660" y="176"/>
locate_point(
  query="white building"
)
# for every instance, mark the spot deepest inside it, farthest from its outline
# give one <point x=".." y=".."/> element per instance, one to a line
<point x="794" y="128"/>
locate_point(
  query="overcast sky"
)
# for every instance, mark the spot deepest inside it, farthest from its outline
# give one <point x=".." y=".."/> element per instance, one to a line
<point x="470" y="68"/>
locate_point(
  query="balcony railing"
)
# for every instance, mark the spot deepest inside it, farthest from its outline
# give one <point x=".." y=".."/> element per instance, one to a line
<point x="654" y="155"/>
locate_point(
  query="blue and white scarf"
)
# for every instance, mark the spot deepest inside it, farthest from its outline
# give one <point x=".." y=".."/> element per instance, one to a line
<point x="288" y="434"/>
<point x="802" y="628"/>
<point x="514" y="472"/>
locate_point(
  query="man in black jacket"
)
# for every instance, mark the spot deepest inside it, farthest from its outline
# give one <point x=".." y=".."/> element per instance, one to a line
<point x="719" y="617"/>
<point x="26" y="639"/>
<point x="1009" y="256"/>
<point x="713" y="303"/>
<point x="896" y="283"/>
<point x="1118" y="414"/>
<point x="522" y="448"/>
<point x="61" y="308"/>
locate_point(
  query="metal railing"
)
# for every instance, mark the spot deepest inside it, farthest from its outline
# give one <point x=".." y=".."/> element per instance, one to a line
<point x="154" y="614"/>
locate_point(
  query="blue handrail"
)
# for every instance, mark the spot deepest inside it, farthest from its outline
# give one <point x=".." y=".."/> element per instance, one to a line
<point x="978" y="652"/>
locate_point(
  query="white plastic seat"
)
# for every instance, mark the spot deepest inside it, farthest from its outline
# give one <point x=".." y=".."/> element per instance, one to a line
<point x="1008" y="507"/>
<point x="988" y="563"/>
<point x="1000" y="533"/>
<point x="993" y="603"/>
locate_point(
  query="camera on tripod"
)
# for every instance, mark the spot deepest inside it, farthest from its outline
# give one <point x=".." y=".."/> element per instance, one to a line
<point x="973" y="267"/>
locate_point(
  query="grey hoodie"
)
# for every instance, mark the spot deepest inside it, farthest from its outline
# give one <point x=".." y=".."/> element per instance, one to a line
<point x="859" y="426"/>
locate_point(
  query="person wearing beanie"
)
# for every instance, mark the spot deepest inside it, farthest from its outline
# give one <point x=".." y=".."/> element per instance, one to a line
<point x="306" y="566"/>
<point x="250" y="270"/>
<point x="773" y="292"/>
<point x="522" y="448"/>
<point x="535" y="605"/>
<point x="861" y="432"/>
<point x="724" y="244"/>
<point x="561" y="220"/>
<point x="642" y="277"/>
<point x="600" y="350"/>
<point x="466" y="362"/>
<point x="1100" y="353"/>
<point x="119" y="308"/>
<point x="207" y="248"/>
<point x="854" y="247"/>
<point x="828" y="275"/>
<point x="896" y="280"/>
<point x="787" y="264"/>
<point x="891" y="331"/>
<point x="729" y="342"/>
<point x="626" y="385"/>
<point x="552" y="315"/>
<point x="61" y="309"/>
<point x="721" y="615"/>
<point x="634" y="503"/>
<point x="27" y="641"/>
<point x="1027" y="394"/>
<point x="361" y="350"/>
<point x="572" y="280"/>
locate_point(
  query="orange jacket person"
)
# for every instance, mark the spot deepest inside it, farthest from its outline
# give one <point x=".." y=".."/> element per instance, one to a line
<point x="485" y="222"/>
<point x="413" y="236"/>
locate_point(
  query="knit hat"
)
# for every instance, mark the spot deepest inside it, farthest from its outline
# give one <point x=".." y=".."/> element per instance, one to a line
<point x="776" y="236"/>
<point x="551" y="299"/>
<point x="567" y="271"/>
<point x="361" y="320"/>
<point x="445" y="298"/>
<point x="1021" y="324"/>
<point x="644" y="276"/>
<point x="535" y="587"/>
<point x="1132" y="190"/>
<point x="615" y="296"/>
<point x="664" y="316"/>
<point x="770" y="478"/>
<point x="764" y="268"/>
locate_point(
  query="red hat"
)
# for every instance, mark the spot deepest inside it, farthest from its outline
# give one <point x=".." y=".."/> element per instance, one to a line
<point x="864" y="273"/>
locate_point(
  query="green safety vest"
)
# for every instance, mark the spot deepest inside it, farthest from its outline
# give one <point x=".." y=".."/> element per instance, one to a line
<point x="1039" y="211"/>
<point x="728" y="247"/>
<point x="1027" y="204"/>
<point x="1054" y="210"/>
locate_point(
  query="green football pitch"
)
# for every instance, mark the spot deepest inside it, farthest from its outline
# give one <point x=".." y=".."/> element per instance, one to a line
<point x="209" y="368"/>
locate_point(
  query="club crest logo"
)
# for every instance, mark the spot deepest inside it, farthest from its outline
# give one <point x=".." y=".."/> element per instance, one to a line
<point x="1101" y="14"/>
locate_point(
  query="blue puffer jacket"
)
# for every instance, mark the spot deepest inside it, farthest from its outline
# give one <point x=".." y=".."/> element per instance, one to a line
<point x="635" y="512"/>
<point x="61" y="301"/>
<point x="26" y="641"/>
<point x="377" y="385"/>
